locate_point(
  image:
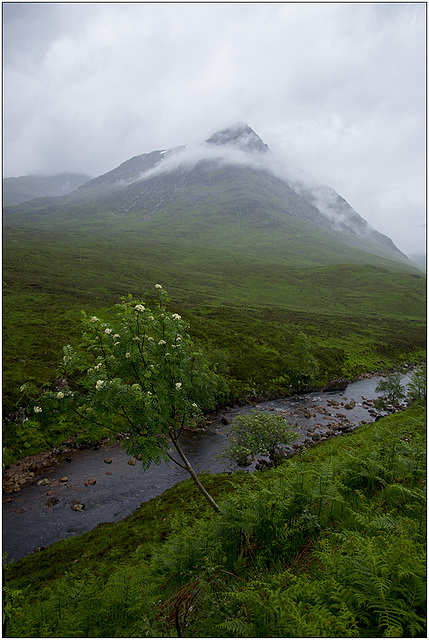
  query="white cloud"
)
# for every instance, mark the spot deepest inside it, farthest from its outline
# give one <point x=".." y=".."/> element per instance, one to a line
<point x="336" y="89"/>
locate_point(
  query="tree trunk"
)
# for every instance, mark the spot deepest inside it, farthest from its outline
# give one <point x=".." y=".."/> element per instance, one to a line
<point x="193" y="475"/>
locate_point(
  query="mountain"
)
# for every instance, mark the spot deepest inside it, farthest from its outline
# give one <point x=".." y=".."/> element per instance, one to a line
<point x="25" y="188"/>
<point x="231" y="191"/>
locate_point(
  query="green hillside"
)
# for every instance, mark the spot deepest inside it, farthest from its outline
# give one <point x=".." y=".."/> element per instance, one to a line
<point x="49" y="277"/>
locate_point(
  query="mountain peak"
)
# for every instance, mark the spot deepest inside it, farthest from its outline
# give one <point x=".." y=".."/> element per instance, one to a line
<point x="239" y="135"/>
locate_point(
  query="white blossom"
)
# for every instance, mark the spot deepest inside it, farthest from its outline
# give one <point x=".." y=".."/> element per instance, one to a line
<point x="99" y="385"/>
<point x="176" y="316"/>
<point x="158" y="286"/>
<point x="128" y="354"/>
<point x="178" y="385"/>
<point x="161" y="342"/>
<point x="37" y="409"/>
<point x="107" y="331"/>
<point x="139" y="307"/>
<point x="116" y="335"/>
<point x="60" y="395"/>
<point x="194" y="405"/>
<point x="94" y="319"/>
<point x="150" y="338"/>
<point x="98" y="366"/>
<point x="137" y="386"/>
<point x="136" y="338"/>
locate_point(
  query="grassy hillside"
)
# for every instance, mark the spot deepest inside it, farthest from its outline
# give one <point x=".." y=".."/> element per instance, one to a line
<point x="251" y="307"/>
<point x="330" y="544"/>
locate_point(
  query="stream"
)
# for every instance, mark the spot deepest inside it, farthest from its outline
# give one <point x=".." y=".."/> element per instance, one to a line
<point x="41" y="514"/>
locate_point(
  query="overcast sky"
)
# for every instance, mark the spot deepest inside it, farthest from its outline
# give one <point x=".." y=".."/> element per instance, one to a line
<point x="338" y="89"/>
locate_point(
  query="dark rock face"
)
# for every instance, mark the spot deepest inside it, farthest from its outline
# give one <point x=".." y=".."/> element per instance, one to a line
<point x="336" y="385"/>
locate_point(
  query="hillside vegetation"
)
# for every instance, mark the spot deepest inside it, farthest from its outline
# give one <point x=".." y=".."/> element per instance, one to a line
<point x="330" y="544"/>
<point x="246" y="312"/>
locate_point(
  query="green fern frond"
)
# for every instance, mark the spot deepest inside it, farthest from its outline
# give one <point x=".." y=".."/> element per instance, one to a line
<point x="236" y="628"/>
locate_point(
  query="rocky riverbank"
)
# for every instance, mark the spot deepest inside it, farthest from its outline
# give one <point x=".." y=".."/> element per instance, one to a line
<point x="28" y="470"/>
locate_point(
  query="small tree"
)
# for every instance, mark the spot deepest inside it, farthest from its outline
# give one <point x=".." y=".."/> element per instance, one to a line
<point x="303" y="366"/>
<point x="141" y="376"/>
<point x="391" y="391"/>
<point x="257" y="433"/>
<point x="417" y="385"/>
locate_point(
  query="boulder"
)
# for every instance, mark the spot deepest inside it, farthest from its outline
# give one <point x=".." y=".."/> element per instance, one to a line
<point x="336" y="385"/>
<point x="43" y="481"/>
<point x="52" y="501"/>
<point x="78" y="507"/>
<point x="132" y="462"/>
<point x="90" y="481"/>
<point x="108" y="460"/>
<point x="350" y="405"/>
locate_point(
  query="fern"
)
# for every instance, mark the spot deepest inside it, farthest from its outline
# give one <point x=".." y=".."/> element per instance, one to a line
<point x="236" y="628"/>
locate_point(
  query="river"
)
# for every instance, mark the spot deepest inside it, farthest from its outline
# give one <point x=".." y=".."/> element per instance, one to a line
<point x="39" y="515"/>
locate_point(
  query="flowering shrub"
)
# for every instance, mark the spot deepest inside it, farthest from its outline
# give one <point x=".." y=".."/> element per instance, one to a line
<point x="141" y="376"/>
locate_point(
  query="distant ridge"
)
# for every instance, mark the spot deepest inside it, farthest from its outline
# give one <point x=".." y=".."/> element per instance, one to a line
<point x="25" y="188"/>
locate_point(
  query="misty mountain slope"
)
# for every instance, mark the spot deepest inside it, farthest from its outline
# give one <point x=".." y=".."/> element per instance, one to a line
<point x="227" y="194"/>
<point x="25" y="188"/>
<point x="123" y="175"/>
